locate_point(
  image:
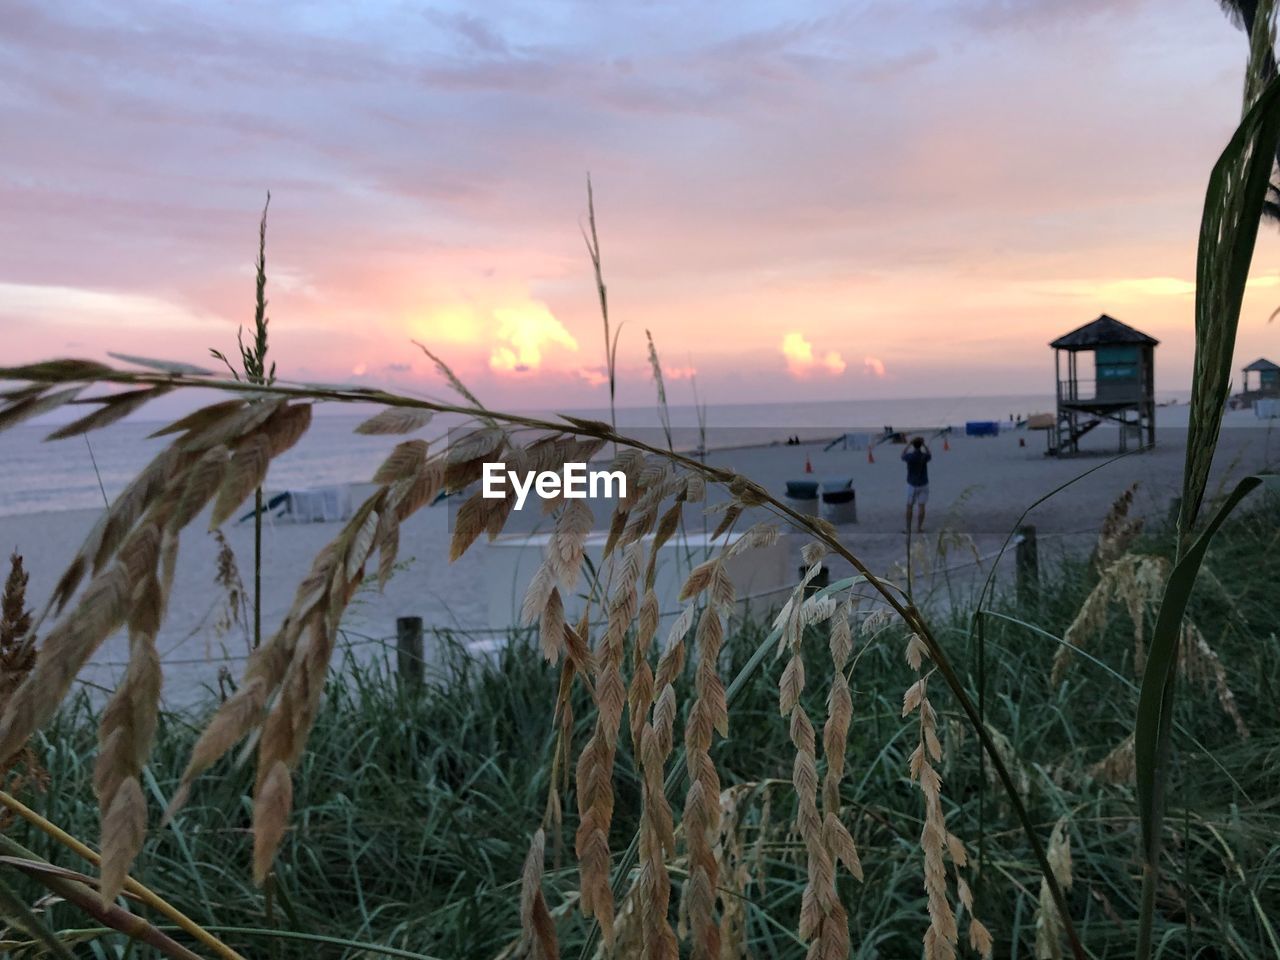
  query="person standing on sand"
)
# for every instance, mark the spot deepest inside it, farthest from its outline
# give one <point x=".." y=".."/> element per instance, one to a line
<point x="917" y="457"/>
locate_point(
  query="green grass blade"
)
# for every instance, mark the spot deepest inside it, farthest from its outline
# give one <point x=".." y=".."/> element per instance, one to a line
<point x="1130" y="685"/>
<point x="1233" y="207"/>
<point x="1228" y="233"/>
<point x="1153" y="726"/>
<point x="20" y="915"/>
<point x="1155" y="697"/>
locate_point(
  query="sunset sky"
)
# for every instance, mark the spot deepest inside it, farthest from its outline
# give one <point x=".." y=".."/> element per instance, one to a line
<point x="799" y="200"/>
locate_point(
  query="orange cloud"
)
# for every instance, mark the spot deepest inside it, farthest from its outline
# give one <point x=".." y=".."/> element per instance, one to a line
<point x="873" y="366"/>
<point x="802" y="360"/>
<point x="524" y="331"/>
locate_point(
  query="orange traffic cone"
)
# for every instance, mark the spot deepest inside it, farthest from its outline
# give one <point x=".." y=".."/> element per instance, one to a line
<point x="808" y="467"/>
<point x="946" y="444"/>
<point x="871" y="457"/>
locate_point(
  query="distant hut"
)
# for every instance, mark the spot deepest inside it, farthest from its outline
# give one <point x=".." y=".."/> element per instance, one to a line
<point x="1121" y="389"/>
<point x="1266" y="382"/>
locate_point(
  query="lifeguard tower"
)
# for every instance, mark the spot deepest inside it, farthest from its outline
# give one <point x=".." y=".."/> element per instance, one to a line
<point x="1266" y="381"/>
<point x="1121" y="389"/>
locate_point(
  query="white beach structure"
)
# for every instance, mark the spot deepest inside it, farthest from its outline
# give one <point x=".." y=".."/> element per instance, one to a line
<point x="330" y="504"/>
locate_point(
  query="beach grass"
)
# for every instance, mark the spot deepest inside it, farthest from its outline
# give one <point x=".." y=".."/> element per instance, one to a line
<point x="413" y="806"/>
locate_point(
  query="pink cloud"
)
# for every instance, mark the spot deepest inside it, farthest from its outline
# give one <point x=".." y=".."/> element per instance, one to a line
<point x="803" y="361"/>
<point x="687" y="372"/>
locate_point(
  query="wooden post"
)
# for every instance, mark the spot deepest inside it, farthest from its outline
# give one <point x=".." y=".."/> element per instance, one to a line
<point x="410" y="654"/>
<point x="1027" y="560"/>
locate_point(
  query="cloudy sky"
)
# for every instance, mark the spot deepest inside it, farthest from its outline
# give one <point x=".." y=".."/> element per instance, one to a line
<point x="813" y="200"/>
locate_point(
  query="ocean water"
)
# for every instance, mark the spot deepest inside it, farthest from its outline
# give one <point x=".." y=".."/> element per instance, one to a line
<point x="76" y="473"/>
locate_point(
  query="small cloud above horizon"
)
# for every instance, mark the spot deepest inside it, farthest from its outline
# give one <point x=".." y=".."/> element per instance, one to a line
<point x="594" y="376"/>
<point x="803" y="360"/>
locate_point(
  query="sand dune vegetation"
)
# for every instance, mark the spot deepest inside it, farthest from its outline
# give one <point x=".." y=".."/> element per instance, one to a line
<point x="1086" y="772"/>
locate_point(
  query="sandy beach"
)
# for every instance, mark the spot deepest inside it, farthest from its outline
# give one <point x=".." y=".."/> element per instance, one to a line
<point x="979" y="487"/>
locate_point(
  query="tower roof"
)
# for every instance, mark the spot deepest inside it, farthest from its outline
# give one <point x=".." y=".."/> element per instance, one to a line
<point x="1100" y="333"/>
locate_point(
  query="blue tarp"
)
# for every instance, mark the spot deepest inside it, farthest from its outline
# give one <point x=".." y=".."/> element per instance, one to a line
<point x="982" y="428"/>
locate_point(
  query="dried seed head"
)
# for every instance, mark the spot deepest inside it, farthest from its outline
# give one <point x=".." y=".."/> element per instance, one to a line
<point x="245" y="473"/>
<point x="271" y="806"/>
<point x="552" y="626"/>
<point x="124" y="826"/>
<point x="395" y="420"/>
<point x="729" y="518"/>
<point x="538" y="931"/>
<point x="875" y="621"/>
<point x="1089" y="621"/>
<point x="1201" y="663"/>
<point x="403" y="463"/>
<point x="472" y="518"/>
<point x="1118" y="531"/>
<point x="1049" y="926"/>
<point x="566" y="547"/>
<point x="17" y="656"/>
<point x="1118" y="766"/>
<point x="916" y="652"/>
